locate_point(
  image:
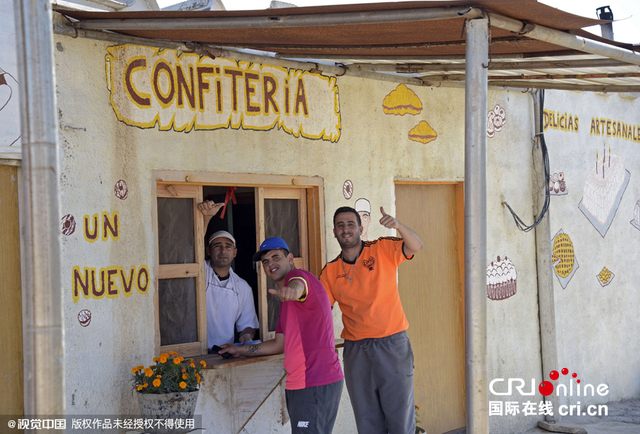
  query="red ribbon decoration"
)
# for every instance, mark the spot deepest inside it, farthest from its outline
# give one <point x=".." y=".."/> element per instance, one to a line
<point x="230" y="196"/>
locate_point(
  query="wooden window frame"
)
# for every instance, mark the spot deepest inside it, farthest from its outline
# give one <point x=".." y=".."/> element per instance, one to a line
<point x="190" y="184"/>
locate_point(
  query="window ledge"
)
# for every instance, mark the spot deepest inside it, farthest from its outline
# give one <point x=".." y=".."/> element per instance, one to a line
<point x="215" y="361"/>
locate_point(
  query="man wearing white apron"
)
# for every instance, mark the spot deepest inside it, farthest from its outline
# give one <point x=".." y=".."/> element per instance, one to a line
<point x="229" y="297"/>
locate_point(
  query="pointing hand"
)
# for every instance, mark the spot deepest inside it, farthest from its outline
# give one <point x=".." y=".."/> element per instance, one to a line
<point x="287" y="293"/>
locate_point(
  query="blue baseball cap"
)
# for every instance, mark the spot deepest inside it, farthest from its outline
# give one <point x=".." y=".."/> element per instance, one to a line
<point x="272" y="243"/>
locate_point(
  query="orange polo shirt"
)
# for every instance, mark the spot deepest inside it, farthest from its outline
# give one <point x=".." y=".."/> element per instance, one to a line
<point x="370" y="304"/>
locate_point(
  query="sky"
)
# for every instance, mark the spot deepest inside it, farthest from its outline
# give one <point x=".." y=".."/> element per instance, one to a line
<point x="626" y="13"/>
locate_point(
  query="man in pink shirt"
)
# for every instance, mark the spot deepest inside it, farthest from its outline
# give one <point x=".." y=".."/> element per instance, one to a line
<point x="305" y="334"/>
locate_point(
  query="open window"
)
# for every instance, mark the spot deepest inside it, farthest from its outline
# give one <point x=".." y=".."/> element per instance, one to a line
<point x="265" y="206"/>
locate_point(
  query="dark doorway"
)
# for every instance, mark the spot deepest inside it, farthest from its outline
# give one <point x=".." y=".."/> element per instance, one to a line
<point x="240" y="221"/>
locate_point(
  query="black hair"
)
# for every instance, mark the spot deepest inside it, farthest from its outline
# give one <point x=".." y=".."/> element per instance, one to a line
<point x="346" y="209"/>
<point x="283" y="250"/>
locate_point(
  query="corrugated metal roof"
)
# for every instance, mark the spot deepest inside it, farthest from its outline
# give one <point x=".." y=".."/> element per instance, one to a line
<point x="354" y="37"/>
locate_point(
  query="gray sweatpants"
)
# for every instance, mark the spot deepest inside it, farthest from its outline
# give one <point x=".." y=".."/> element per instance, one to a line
<point x="313" y="410"/>
<point x="379" y="378"/>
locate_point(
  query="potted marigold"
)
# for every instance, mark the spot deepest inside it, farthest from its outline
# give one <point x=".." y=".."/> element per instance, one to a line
<point x="167" y="391"/>
<point x="419" y="429"/>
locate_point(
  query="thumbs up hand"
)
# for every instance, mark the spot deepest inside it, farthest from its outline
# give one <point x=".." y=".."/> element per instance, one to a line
<point x="210" y="208"/>
<point x="388" y="221"/>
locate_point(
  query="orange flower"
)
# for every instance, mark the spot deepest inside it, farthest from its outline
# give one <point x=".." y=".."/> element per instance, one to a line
<point x="145" y="385"/>
<point x="158" y="376"/>
<point x="192" y="365"/>
<point x="156" y="359"/>
<point x="139" y="388"/>
<point x="165" y="355"/>
<point x="184" y="370"/>
<point x="173" y="353"/>
<point x="203" y="363"/>
<point x="148" y="372"/>
<point x="136" y="369"/>
<point x="198" y="377"/>
<point x="183" y="384"/>
<point x="176" y="360"/>
<point x="163" y="359"/>
<point x="185" y="376"/>
<point x="156" y="383"/>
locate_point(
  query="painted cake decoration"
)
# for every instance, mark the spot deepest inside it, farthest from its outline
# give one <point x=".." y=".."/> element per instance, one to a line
<point x="501" y="279"/>
<point x="603" y="190"/>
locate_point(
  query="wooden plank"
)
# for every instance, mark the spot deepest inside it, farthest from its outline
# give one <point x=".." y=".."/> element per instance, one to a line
<point x="178" y="190"/>
<point x="215" y="361"/>
<point x="319" y="229"/>
<point x="263" y="306"/>
<point x="460" y="231"/>
<point x="302" y="225"/>
<point x="234" y="179"/>
<point x="282" y="193"/>
<point x="316" y="228"/>
<point x="432" y="182"/>
<point x="10" y="295"/>
<point x="201" y="285"/>
<point x="156" y="270"/>
<point x="177" y="271"/>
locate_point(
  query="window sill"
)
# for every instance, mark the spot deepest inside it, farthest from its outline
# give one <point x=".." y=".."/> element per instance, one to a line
<point x="215" y="361"/>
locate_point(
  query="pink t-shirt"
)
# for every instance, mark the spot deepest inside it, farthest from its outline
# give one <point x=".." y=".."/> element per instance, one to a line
<point x="310" y="357"/>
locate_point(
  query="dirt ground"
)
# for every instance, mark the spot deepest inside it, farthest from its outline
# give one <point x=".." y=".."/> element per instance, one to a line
<point x="623" y="418"/>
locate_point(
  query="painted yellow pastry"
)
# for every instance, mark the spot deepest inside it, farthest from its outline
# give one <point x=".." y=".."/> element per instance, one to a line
<point x="422" y="133"/>
<point x="402" y="101"/>
<point x="563" y="254"/>
<point x="605" y="276"/>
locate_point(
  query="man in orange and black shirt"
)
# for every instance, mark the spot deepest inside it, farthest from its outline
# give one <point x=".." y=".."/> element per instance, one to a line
<point x="378" y="359"/>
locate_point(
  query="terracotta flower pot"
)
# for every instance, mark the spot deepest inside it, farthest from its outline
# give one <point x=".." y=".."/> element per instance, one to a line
<point x="162" y="407"/>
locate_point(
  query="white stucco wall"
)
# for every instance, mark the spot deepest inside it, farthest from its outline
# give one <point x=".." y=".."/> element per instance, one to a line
<point x="597" y="328"/>
<point x="513" y="343"/>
